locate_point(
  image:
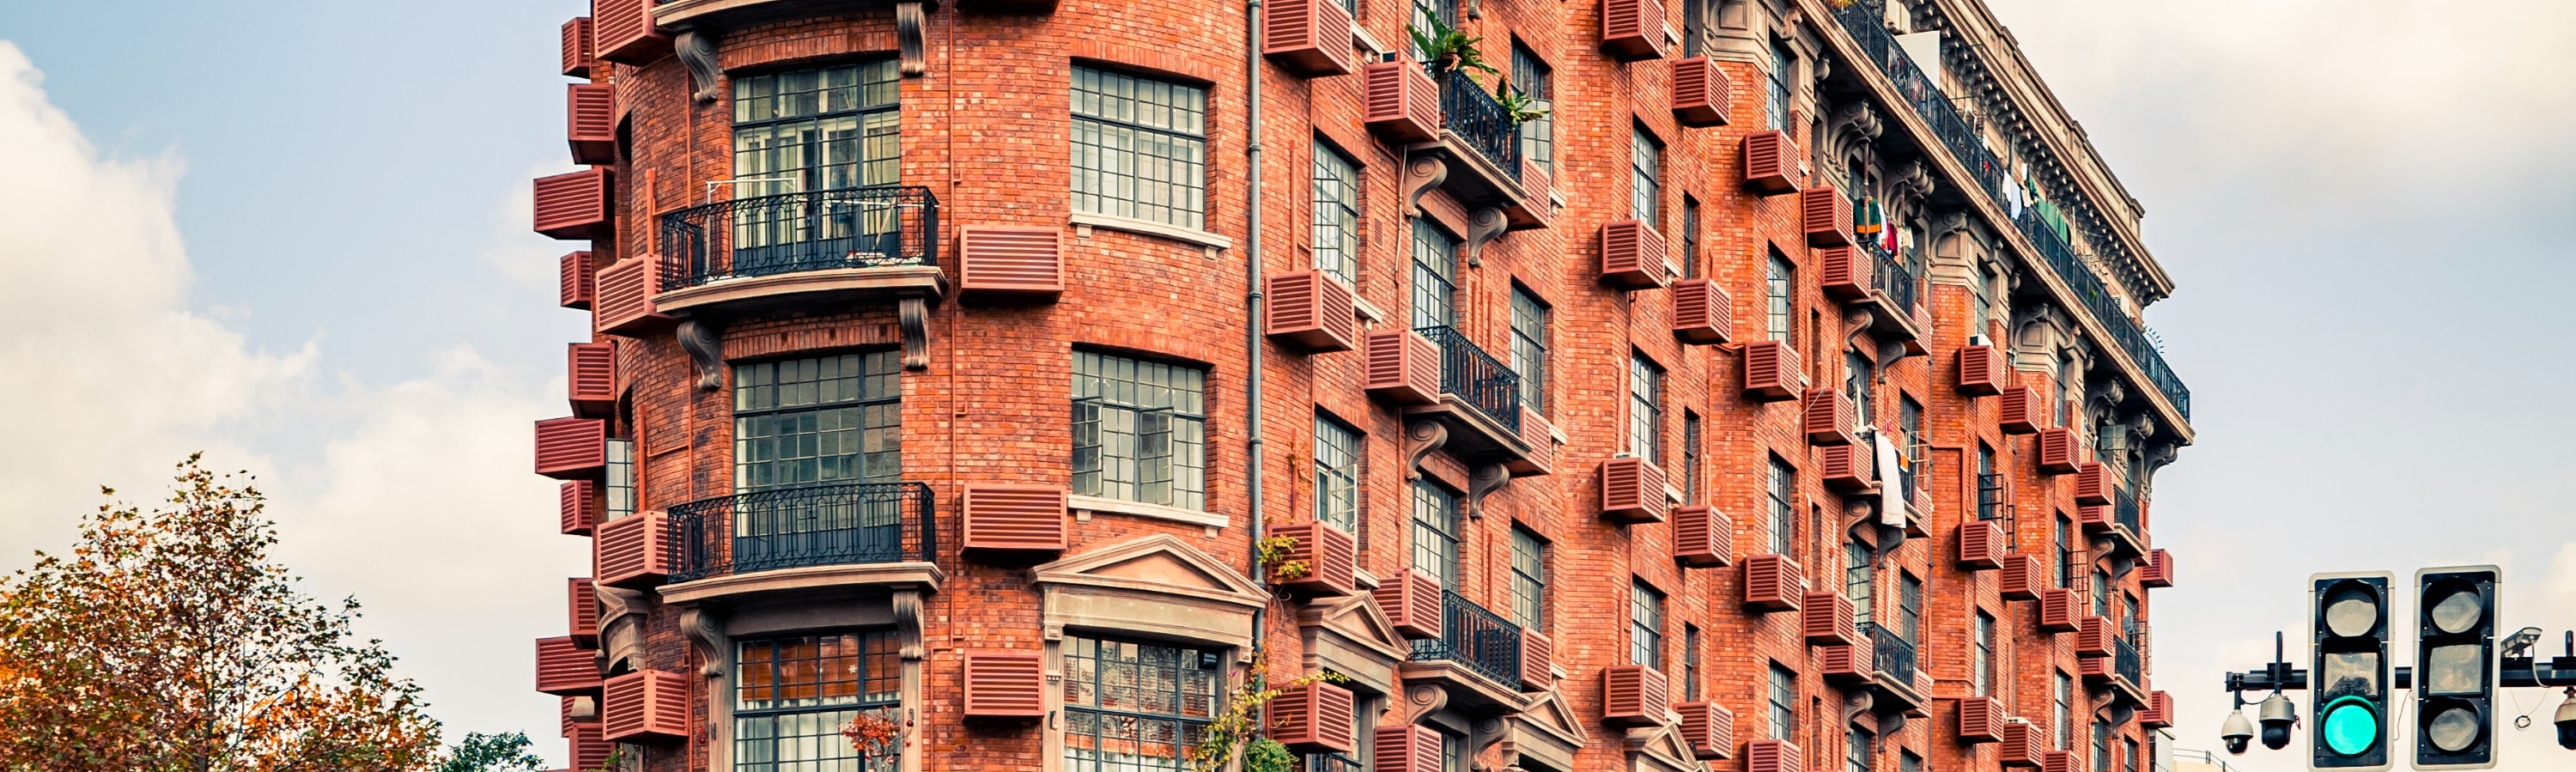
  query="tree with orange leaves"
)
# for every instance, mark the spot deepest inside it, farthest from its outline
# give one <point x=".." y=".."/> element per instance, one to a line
<point x="167" y="641"/>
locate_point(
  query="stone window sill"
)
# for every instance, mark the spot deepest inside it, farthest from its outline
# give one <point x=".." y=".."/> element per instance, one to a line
<point x="1083" y="506"/>
<point x="1083" y="222"/>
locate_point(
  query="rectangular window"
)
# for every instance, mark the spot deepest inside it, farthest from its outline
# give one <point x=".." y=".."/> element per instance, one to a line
<point x="1435" y="276"/>
<point x="1690" y="663"/>
<point x="1529" y="580"/>
<point x="1538" y="136"/>
<point x="1337" y="214"/>
<point x="1784" y="516"/>
<point x="1645" y="625"/>
<point x="1909" y="607"/>
<point x="1776" y="109"/>
<point x="2129" y="750"/>
<point x="825" y="128"/>
<point x="1990" y="486"/>
<point x="1645" y="179"/>
<point x="1694" y="26"/>
<point x="1427" y="11"/>
<point x="2101" y="594"/>
<point x="619" y="491"/>
<point x="1645" y="410"/>
<point x="1453" y="753"/>
<point x="1139" y="430"/>
<point x="1130" y="707"/>
<point x="1859" y="386"/>
<point x="1983" y="674"/>
<point x="831" y="419"/>
<point x="1690" y="237"/>
<point x="1860" y="575"/>
<point x="2062" y="703"/>
<point x="1784" y="703"/>
<point x="1139" y="148"/>
<point x="2101" y="747"/>
<point x="2064" y="551"/>
<point x="1906" y="761"/>
<point x="1913" y="445"/>
<point x="793" y="695"/>
<point x="1982" y="302"/>
<point x="1435" y="532"/>
<point x="1856" y="749"/>
<point x="1529" y="348"/>
<point x="1337" y="474"/>
<point x="1779" y="290"/>
<point x="1690" y="458"/>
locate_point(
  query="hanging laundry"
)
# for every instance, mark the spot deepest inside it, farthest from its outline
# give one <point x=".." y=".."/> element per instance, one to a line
<point x="1872" y="218"/>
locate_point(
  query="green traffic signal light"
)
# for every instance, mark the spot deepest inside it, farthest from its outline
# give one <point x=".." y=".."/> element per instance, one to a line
<point x="2350" y="726"/>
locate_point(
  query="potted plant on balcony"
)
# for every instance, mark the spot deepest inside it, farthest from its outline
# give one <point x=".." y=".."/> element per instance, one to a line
<point x="1445" y="49"/>
<point x="1519" y="107"/>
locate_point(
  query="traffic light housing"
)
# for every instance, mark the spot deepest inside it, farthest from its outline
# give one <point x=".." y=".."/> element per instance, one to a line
<point x="2348" y="678"/>
<point x="2455" y="670"/>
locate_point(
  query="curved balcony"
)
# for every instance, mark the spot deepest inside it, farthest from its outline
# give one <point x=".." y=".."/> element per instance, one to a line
<point x="802" y="539"/>
<point x="1477" y="656"/>
<point x="1479" y="405"/>
<point x="1894" y="679"/>
<point x="862" y="243"/>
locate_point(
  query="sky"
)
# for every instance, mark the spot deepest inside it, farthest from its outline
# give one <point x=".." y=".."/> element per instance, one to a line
<point x="293" y="233"/>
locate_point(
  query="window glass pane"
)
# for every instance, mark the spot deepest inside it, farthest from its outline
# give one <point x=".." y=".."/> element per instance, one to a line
<point x="1139" y="430"/>
<point x="1859" y="574"/>
<point x="1435" y="270"/>
<point x="1529" y="349"/>
<point x="1435" y="532"/>
<point x="1337" y="214"/>
<point x="1645" y="188"/>
<point x="831" y="419"/>
<point x="793" y="695"/>
<point x="1139" y="148"/>
<point x="1645" y="410"/>
<point x="1529" y="580"/>
<point x="1136" y="706"/>
<point x="1784" y="703"/>
<point x="1784" y="516"/>
<point x="1779" y="292"/>
<point x="816" y="129"/>
<point x="1538" y="137"/>
<point x="1645" y="626"/>
<point x="1690" y="458"/>
<point x="1776" y="108"/>
<point x="1337" y="474"/>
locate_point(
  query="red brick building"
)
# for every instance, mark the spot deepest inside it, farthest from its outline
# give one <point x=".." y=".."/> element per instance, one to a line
<point x="1751" y="385"/>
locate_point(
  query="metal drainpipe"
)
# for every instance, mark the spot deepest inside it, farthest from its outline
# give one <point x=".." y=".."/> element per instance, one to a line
<point x="1252" y="300"/>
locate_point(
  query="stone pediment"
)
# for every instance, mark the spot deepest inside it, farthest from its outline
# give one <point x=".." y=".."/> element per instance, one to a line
<point x="1352" y="636"/>
<point x="1359" y="619"/>
<point x="1161" y="563"/>
<point x="1660" y="748"/>
<point x="1548" y="731"/>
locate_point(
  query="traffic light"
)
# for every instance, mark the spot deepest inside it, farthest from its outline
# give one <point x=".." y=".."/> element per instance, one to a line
<point x="2455" y="675"/>
<point x="2349" y="678"/>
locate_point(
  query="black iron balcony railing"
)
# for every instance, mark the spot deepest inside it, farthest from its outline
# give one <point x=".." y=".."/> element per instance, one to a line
<point x="2124" y="511"/>
<point x="2125" y="661"/>
<point x="797" y="232"/>
<point x="1990" y="496"/>
<point x="1473" y="115"/>
<point x="1333" y="762"/>
<point x="1477" y="377"/>
<point x="1891" y="653"/>
<point x="814" y="525"/>
<point x="1475" y="637"/>
<point x="1891" y="276"/>
<point x="1864" y="21"/>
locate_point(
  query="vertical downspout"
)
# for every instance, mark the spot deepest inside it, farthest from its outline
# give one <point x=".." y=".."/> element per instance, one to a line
<point x="1252" y="300"/>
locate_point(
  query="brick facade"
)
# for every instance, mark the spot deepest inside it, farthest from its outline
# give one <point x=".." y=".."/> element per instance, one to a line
<point x="987" y="127"/>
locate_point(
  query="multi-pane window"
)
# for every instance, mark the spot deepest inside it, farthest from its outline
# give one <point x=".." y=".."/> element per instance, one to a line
<point x="2101" y="746"/>
<point x="619" y="490"/>
<point x="1538" y="135"/>
<point x="2070" y="381"/>
<point x="793" y="695"/>
<point x="1690" y="237"/>
<point x="2101" y="594"/>
<point x="1906" y="761"/>
<point x="831" y="419"/>
<point x="1990" y="488"/>
<point x="1909" y="607"/>
<point x="824" y="128"/>
<point x="1427" y="11"/>
<point x="1139" y="430"/>
<point x="1435" y="532"/>
<point x="1694" y="26"/>
<point x="1645" y="179"/>
<point x="1983" y="673"/>
<point x="1529" y="348"/>
<point x="1856" y="749"/>
<point x="1909" y="419"/>
<point x="1981" y="300"/>
<point x="1337" y="474"/>
<point x="1529" y="580"/>
<point x="1779" y="296"/>
<point x="1784" y="515"/>
<point x="2062" y="707"/>
<point x="1860" y="575"/>
<point x="1435" y="276"/>
<point x="2065" y="546"/>
<point x="1645" y="625"/>
<point x="1337" y="214"/>
<point x="1139" y="148"/>
<point x="1690" y="457"/>
<point x="1776" y="109"/>
<point x="2130" y="751"/>
<point x="1690" y="663"/>
<point x="1645" y="409"/>
<point x="1136" y="707"/>
<point x="1784" y="703"/>
<point x="1858" y="386"/>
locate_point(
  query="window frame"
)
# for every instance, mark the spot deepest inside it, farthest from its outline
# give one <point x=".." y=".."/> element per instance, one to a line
<point x="1690" y="662"/>
<point x="1340" y="466"/>
<point x="875" y="404"/>
<point x="1185" y="429"/>
<point x="1529" y="579"/>
<point x="1435" y="280"/>
<point x="1692" y="439"/>
<point x="812" y="175"/>
<point x="1783" y="699"/>
<point x="1982" y="662"/>
<point x="1645" y="625"/>
<point x="1530" y="330"/>
<point x="1646" y="409"/>
<point x="1646" y="178"/>
<point x="1182" y="723"/>
<point x="1782" y="492"/>
<point x="1780" y="298"/>
<point x="1533" y="78"/>
<point x="1860" y="581"/>
<point x="1443" y="537"/>
<point x="1336" y="219"/>
<point x="874" y="648"/>
<point x="1183" y="193"/>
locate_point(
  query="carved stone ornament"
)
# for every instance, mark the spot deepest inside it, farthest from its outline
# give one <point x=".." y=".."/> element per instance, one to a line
<point x="1421" y="174"/>
<point x="1483" y="481"/>
<point x="706" y="634"/>
<point x="1419" y="700"/>
<point x="696" y="49"/>
<point x="1483" y="225"/>
<point x="907" y="35"/>
<point x="705" y="345"/>
<point x="912" y="314"/>
<point x="621" y="626"/>
<point x="1421" y="439"/>
<point x="1486" y="732"/>
<point x="907" y="622"/>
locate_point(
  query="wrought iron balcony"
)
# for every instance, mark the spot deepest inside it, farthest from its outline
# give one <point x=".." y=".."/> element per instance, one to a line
<point x="2124" y="511"/>
<point x="879" y="227"/>
<point x="1333" y="762"/>
<point x="2128" y="666"/>
<point x="1890" y="275"/>
<point x="1864" y="21"/>
<point x="1484" y="382"/>
<point x="1478" y="120"/>
<point x="1472" y="636"/>
<point x="815" y="525"/>
<point x="1893" y="656"/>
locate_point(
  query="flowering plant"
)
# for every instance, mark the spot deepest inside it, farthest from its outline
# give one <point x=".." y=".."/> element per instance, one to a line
<point x="874" y="734"/>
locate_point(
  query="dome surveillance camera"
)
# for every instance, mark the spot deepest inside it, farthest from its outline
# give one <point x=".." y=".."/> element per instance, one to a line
<point x="2237" y="732"/>
<point x="2278" y="717"/>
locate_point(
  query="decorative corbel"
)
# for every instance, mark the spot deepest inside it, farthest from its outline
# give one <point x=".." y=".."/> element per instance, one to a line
<point x="1421" y="174"/>
<point x="1420" y="439"/>
<point x="1857" y="703"/>
<point x="912" y="314"/>
<point x="1486" y="732"/>
<point x="696" y="49"/>
<point x="705" y="345"/>
<point x="706" y="633"/>
<point x="1483" y="225"/>
<point x="621" y="625"/>
<point x="907" y="36"/>
<point x="1419" y="700"/>
<point x="907" y="623"/>
<point x="1483" y="481"/>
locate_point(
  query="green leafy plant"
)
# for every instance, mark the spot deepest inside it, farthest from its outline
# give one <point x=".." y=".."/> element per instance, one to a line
<point x="1239" y="726"/>
<point x="1274" y="555"/>
<point x="1445" y="48"/>
<point x="505" y="752"/>
<point x="1520" y="108"/>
